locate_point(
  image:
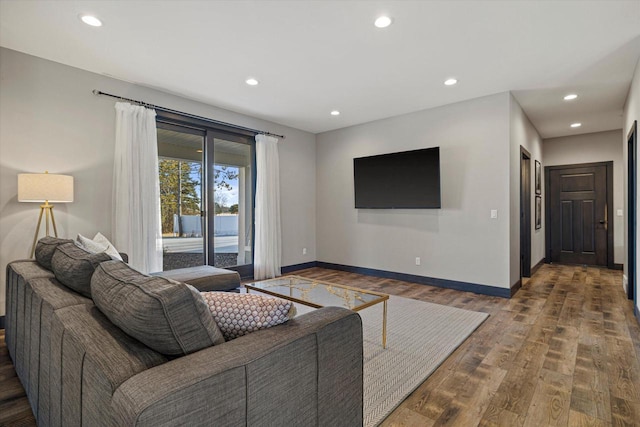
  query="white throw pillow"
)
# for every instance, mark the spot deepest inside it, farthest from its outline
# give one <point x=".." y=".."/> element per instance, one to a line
<point x="89" y="245"/>
<point x="97" y="245"/>
<point x="111" y="250"/>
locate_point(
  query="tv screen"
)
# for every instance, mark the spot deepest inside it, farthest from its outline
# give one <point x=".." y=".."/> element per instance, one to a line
<point x="406" y="180"/>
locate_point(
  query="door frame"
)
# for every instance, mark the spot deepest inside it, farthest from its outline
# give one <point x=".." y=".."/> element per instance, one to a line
<point x="525" y="213"/>
<point x="245" y="271"/>
<point x="192" y="131"/>
<point x="632" y="211"/>
<point x="211" y="130"/>
<point x="609" y="204"/>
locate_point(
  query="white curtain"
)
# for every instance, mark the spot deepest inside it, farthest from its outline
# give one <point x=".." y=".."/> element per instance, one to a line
<point x="136" y="188"/>
<point x="266" y="262"/>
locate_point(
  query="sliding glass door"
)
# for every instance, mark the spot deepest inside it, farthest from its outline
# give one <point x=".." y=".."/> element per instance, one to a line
<point x="207" y="182"/>
<point x="231" y="172"/>
<point x="180" y="152"/>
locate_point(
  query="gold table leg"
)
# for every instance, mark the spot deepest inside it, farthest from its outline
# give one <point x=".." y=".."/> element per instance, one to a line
<point x="384" y="324"/>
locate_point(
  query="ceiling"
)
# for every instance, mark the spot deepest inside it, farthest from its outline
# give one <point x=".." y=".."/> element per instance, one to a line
<point x="312" y="57"/>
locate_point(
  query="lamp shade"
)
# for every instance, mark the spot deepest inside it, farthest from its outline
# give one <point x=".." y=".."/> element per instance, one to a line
<point x="40" y="187"/>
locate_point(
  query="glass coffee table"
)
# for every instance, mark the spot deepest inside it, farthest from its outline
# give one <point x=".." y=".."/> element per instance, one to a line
<point x="318" y="294"/>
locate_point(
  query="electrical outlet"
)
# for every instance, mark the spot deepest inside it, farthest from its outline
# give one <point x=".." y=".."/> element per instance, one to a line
<point x="304" y="251"/>
<point x="417" y="260"/>
<point x="619" y="212"/>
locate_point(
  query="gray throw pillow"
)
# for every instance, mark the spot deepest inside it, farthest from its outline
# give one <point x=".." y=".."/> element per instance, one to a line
<point x="45" y="249"/>
<point x="167" y="316"/>
<point x="74" y="267"/>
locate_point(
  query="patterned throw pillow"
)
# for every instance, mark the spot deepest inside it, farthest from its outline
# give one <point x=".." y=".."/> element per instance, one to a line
<point x="240" y="314"/>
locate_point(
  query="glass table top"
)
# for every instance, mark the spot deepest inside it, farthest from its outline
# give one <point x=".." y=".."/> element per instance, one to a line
<point x="316" y="293"/>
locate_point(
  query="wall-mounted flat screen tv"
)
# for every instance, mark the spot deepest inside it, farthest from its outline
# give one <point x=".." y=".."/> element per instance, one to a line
<point x="405" y="180"/>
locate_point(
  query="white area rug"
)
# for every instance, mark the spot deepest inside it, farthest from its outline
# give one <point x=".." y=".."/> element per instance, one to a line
<point x="420" y="336"/>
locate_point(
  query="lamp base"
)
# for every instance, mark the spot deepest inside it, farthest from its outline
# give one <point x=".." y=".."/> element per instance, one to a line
<point x="48" y="210"/>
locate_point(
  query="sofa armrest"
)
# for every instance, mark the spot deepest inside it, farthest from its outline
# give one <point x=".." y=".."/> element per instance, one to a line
<point x="307" y="371"/>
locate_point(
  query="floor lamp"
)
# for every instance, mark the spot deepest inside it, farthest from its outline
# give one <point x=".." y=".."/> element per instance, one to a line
<point x="45" y="187"/>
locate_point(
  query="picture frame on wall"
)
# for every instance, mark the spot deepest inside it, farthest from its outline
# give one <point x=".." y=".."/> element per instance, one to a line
<point x="538" y="212"/>
<point x="538" y="178"/>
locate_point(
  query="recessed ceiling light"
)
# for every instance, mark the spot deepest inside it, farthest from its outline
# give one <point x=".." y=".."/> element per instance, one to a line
<point x="570" y="97"/>
<point x="91" y="20"/>
<point x="335" y="113"/>
<point x="251" y="81"/>
<point x="450" y="82"/>
<point x="382" y="22"/>
<point x="576" y="125"/>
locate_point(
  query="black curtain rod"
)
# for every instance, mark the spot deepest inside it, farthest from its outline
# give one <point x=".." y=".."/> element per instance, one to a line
<point x="193" y="116"/>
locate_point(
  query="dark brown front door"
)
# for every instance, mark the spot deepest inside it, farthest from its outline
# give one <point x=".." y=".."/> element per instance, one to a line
<point x="578" y="214"/>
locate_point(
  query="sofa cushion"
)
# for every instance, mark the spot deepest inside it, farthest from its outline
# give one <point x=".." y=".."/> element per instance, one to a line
<point x="167" y="316"/>
<point x="74" y="267"/>
<point x="45" y="249"/>
<point x="91" y="358"/>
<point x="240" y="314"/>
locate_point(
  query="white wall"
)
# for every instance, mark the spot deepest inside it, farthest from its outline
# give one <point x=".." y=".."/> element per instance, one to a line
<point x="458" y="242"/>
<point x="523" y="133"/>
<point x="50" y="120"/>
<point x="631" y="114"/>
<point x="589" y="148"/>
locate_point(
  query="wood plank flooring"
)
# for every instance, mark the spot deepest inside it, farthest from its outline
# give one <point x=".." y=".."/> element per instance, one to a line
<point x="565" y="351"/>
<point x="14" y="407"/>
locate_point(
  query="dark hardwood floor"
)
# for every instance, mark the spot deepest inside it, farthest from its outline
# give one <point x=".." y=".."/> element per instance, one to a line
<point x="565" y="351"/>
<point x="14" y="407"/>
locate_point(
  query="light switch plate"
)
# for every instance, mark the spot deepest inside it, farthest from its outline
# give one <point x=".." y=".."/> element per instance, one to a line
<point x="494" y="213"/>
<point x="619" y="212"/>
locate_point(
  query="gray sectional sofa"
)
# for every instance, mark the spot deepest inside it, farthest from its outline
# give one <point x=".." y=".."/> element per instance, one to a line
<point x="79" y="368"/>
